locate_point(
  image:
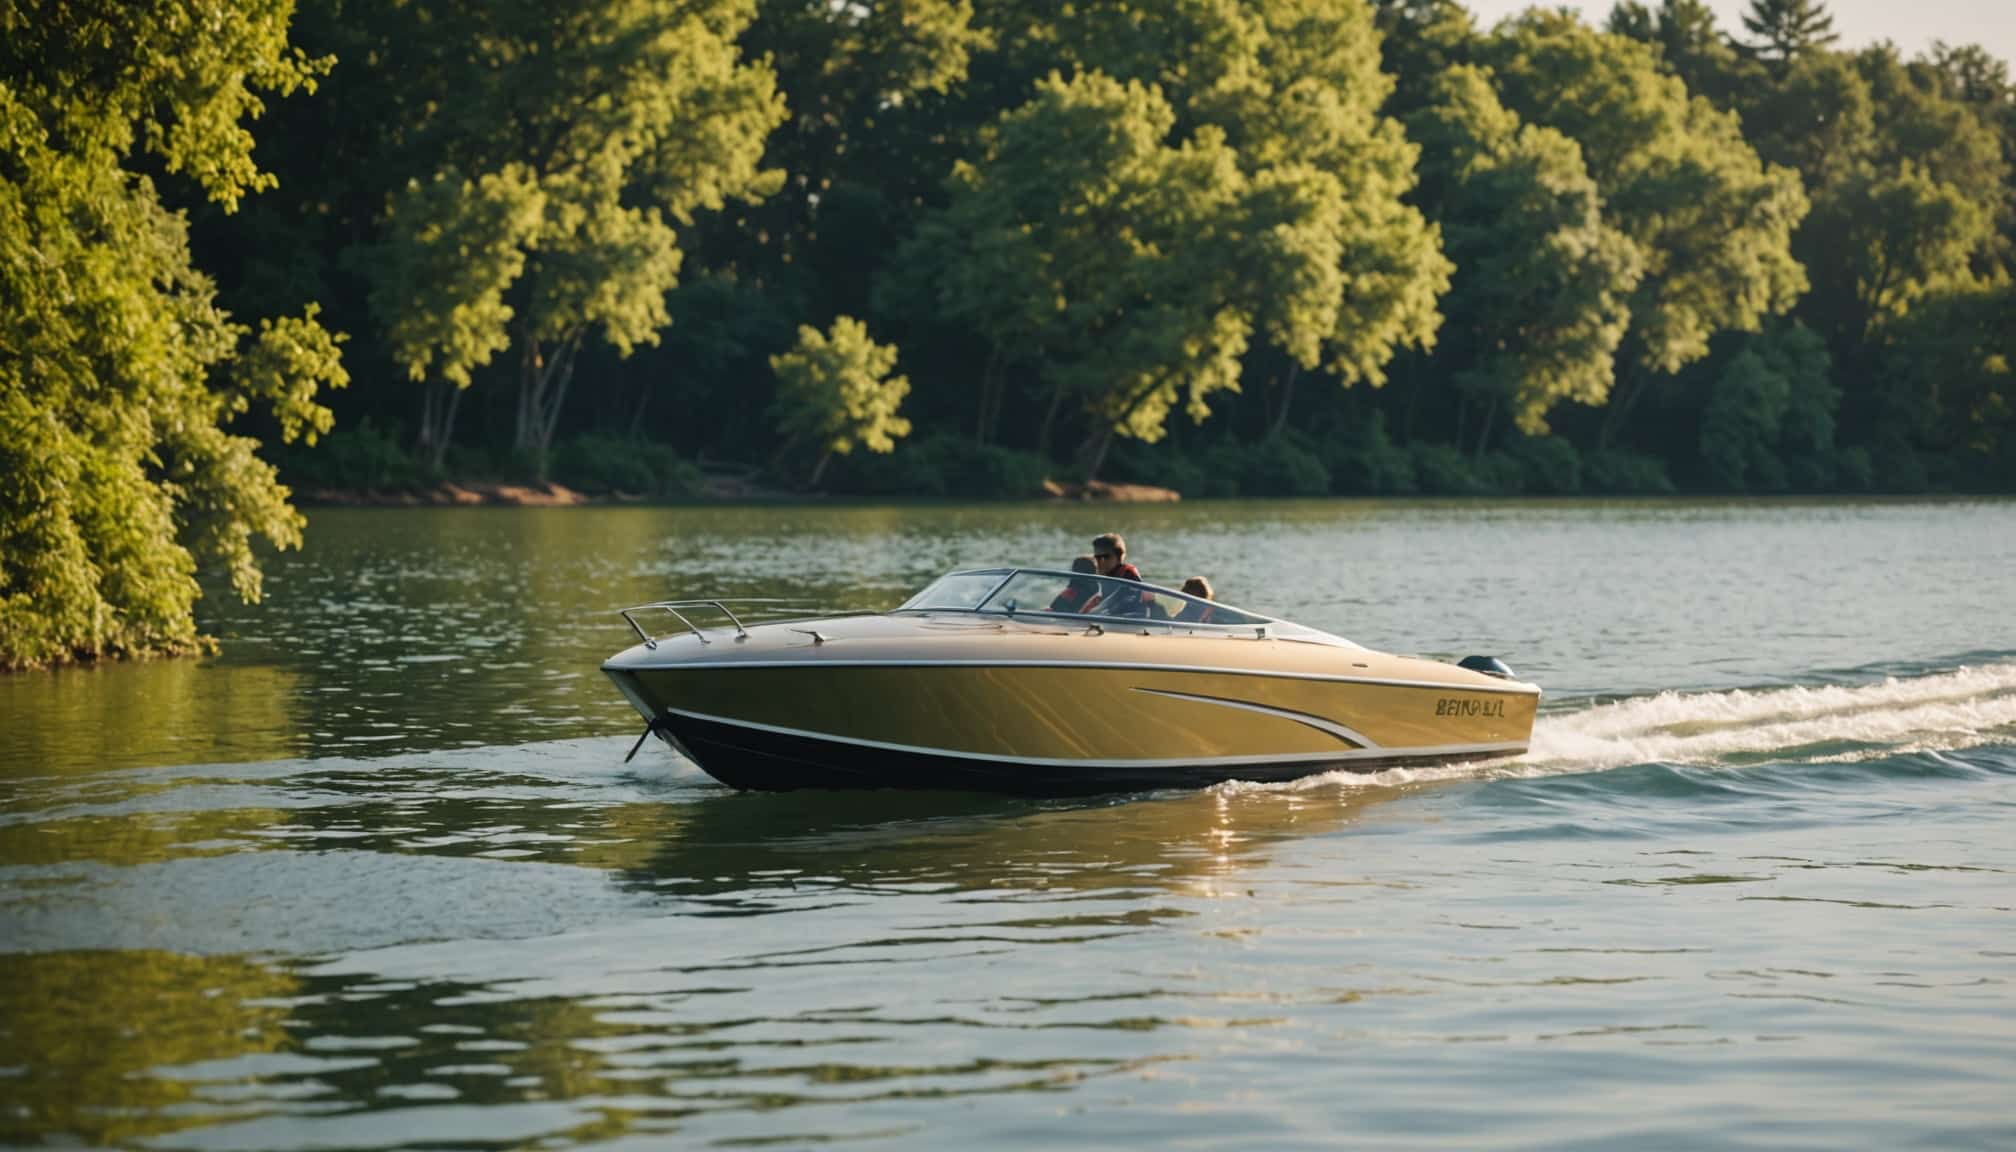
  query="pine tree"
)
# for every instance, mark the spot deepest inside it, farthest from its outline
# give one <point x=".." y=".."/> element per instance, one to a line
<point x="1785" y="28"/>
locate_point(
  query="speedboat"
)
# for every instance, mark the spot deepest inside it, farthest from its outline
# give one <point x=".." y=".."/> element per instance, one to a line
<point x="1028" y="680"/>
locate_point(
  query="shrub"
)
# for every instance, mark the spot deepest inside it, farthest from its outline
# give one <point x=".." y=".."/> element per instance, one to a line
<point x="1364" y="460"/>
<point x="1163" y="465"/>
<point x="943" y="466"/>
<point x="1896" y="468"/>
<point x="1442" y="471"/>
<point x="1283" y="466"/>
<point x="1547" y="465"/>
<point x="598" y="463"/>
<point x="359" y="456"/>
<point x="1619" y="472"/>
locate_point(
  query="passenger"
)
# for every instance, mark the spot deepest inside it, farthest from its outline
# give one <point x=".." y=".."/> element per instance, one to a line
<point x="1082" y="592"/>
<point x="1193" y="612"/>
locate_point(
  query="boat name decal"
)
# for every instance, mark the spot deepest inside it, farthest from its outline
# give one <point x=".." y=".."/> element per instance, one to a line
<point x="1460" y="706"/>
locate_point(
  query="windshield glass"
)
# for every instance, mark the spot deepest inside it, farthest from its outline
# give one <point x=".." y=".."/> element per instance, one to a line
<point x="961" y="591"/>
<point x="1102" y="596"/>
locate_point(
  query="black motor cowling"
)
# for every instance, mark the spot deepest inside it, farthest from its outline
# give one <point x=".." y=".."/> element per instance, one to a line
<point x="1488" y="665"/>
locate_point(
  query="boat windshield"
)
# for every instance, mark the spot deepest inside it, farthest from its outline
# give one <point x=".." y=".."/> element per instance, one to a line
<point x="958" y="591"/>
<point x="1078" y="594"/>
<point x="1026" y="591"/>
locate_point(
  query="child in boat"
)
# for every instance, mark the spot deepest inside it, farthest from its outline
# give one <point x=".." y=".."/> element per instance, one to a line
<point x="1081" y="593"/>
<point x="1195" y="613"/>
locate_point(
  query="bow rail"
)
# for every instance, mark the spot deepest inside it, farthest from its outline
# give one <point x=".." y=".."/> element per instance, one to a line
<point x="684" y="610"/>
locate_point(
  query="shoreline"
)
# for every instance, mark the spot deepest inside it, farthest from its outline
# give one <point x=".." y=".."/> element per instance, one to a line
<point x="724" y="490"/>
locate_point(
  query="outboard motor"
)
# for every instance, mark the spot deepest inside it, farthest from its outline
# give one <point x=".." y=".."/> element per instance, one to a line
<point x="1488" y="665"/>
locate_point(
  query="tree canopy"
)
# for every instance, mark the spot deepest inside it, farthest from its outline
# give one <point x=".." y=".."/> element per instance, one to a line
<point x="119" y="374"/>
<point x="1240" y="247"/>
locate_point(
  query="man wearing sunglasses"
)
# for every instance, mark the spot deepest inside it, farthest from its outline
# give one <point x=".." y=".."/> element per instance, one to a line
<point x="1109" y="555"/>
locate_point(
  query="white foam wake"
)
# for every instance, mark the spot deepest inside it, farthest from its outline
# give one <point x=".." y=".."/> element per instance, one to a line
<point x="1942" y="712"/>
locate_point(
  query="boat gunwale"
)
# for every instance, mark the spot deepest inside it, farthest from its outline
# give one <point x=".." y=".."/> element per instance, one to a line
<point x="1509" y="688"/>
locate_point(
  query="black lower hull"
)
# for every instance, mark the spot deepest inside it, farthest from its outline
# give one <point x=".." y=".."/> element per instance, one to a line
<point x="761" y="761"/>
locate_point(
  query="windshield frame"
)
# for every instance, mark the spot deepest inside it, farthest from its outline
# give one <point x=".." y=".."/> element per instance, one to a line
<point x="1256" y="623"/>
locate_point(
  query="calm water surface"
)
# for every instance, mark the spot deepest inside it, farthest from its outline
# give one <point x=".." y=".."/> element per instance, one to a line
<point x="377" y="877"/>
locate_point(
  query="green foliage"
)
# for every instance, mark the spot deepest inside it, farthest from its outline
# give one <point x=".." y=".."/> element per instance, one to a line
<point x="1076" y="221"/>
<point x="944" y="467"/>
<point x="1617" y="472"/>
<point x="120" y="372"/>
<point x="562" y="145"/>
<point x="1213" y="178"/>
<point x="835" y="391"/>
<point x="1539" y="303"/>
<point x="1784" y="29"/>
<point x="1084" y="221"/>
<point x="1690" y="46"/>
<point x="453" y="247"/>
<point x="1712" y="224"/>
<point x="1280" y="466"/>
<point x="603" y="464"/>
<point x="357" y="456"/>
<point x="1440" y="470"/>
<point x="1364" y="461"/>
<point x="1947" y="382"/>
<point x="1548" y="465"/>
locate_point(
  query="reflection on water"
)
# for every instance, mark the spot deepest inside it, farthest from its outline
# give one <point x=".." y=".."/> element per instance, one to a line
<point x="82" y="720"/>
<point x="378" y="877"/>
<point x="737" y="851"/>
<point x="100" y="1036"/>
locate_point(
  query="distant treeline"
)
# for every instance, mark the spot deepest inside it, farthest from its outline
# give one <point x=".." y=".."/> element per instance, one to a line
<point x="949" y="247"/>
<point x="1264" y="247"/>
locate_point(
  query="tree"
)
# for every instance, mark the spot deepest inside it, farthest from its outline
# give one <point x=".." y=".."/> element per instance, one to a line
<point x="1713" y="224"/>
<point x="835" y="391"/>
<point x="1946" y="382"/>
<point x="1295" y="90"/>
<point x="565" y="144"/>
<point x="1538" y="304"/>
<point x="118" y="373"/>
<point x="1074" y="244"/>
<point x="1771" y="406"/>
<point x="1783" y="29"/>
<point x="1816" y="116"/>
<point x="1690" y="46"/>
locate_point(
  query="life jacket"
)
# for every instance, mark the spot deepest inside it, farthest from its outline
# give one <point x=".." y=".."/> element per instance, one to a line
<point x="1140" y="599"/>
<point x="1074" y="597"/>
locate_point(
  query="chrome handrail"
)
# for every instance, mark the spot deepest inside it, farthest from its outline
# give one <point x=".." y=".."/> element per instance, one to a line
<point x="673" y="607"/>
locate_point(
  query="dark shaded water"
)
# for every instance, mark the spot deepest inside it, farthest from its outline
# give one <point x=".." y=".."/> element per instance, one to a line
<point x="377" y="876"/>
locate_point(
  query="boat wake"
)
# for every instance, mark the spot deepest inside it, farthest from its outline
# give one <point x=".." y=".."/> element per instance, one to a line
<point x="1949" y="711"/>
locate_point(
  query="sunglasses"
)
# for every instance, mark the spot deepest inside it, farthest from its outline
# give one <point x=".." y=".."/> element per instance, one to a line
<point x="1105" y="555"/>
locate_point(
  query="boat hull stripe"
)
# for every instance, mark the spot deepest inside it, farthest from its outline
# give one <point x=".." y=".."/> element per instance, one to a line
<point x="1440" y="751"/>
<point x="1349" y="736"/>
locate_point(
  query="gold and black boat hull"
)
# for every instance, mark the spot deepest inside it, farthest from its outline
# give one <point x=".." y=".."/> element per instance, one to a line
<point x="1066" y="726"/>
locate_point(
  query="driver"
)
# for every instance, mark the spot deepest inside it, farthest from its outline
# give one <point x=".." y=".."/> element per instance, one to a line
<point x="1109" y="553"/>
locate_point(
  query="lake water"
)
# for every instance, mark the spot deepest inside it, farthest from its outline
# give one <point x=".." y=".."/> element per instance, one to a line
<point x="377" y="876"/>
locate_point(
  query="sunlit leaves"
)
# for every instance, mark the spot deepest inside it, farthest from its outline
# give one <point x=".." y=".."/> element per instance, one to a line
<point x="569" y="140"/>
<point x="834" y="390"/>
<point x="117" y="370"/>
<point x="1539" y="303"/>
<point x="1712" y="223"/>
<point x="453" y="247"/>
